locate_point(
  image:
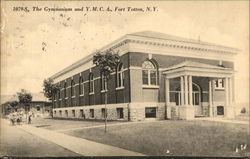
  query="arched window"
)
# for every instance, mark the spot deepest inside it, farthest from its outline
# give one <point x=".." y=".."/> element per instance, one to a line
<point x="103" y="83"/>
<point x="149" y="73"/>
<point x="72" y="88"/>
<point x="91" y="83"/>
<point x="81" y="86"/>
<point x="120" y="76"/>
<point x="65" y="90"/>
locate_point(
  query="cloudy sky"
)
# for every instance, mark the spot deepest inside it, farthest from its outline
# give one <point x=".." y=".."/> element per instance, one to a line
<point x="37" y="44"/>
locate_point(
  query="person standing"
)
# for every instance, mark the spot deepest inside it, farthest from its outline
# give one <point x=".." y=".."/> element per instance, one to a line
<point x="29" y="117"/>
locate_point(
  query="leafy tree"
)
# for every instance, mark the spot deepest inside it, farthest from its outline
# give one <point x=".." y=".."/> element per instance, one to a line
<point x="107" y="63"/>
<point x="49" y="88"/>
<point x="24" y="97"/>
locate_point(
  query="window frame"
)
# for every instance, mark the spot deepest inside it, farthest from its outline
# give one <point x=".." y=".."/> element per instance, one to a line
<point x="219" y="84"/>
<point x="104" y="84"/>
<point x="73" y="113"/>
<point x="120" y="115"/>
<point x="81" y="87"/>
<point x="103" y="112"/>
<point x="120" y="76"/>
<point x="72" y="89"/>
<point x="65" y="90"/>
<point x="155" y="108"/>
<point x="91" y="83"/>
<point x="92" y="113"/>
<point x="149" y="76"/>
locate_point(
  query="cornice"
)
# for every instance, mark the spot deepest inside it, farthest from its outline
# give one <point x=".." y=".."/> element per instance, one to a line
<point x="181" y="45"/>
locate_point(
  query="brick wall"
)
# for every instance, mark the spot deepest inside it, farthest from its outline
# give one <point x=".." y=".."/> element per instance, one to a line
<point x="114" y="96"/>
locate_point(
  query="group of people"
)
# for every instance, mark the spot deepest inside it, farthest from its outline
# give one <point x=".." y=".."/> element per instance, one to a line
<point x="16" y="117"/>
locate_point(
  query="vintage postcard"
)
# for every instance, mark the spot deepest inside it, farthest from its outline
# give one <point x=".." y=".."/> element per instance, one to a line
<point x="124" y="78"/>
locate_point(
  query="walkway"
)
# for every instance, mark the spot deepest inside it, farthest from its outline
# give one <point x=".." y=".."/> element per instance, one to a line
<point x="223" y="120"/>
<point x="78" y="145"/>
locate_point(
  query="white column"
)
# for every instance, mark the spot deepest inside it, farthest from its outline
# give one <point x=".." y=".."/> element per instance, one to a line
<point x="226" y="92"/>
<point x="210" y="99"/>
<point x="167" y="91"/>
<point x="182" y="91"/>
<point x="190" y="90"/>
<point x="230" y="91"/>
<point x="233" y="89"/>
<point x="186" y="89"/>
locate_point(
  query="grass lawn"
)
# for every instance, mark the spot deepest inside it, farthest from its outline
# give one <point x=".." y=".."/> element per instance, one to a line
<point x="62" y="124"/>
<point x="178" y="138"/>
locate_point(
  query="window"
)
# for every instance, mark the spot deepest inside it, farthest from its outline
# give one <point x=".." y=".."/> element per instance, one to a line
<point x="65" y="90"/>
<point x="220" y="110"/>
<point x="60" y="113"/>
<point x="66" y="113"/>
<point x="81" y="113"/>
<point x="120" y="76"/>
<point x="103" y="83"/>
<point x="91" y="83"/>
<point x="219" y="84"/>
<point x="38" y="108"/>
<point x="149" y="73"/>
<point x="150" y="112"/>
<point x="92" y="114"/>
<point x="73" y="113"/>
<point x="72" y="88"/>
<point x="103" y="113"/>
<point x="81" y="86"/>
<point x="119" y="113"/>
<point x="55" y="112"/>
<point x="59" y="92"/>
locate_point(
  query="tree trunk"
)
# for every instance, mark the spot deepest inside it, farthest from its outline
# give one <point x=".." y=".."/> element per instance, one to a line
<point x="106" y="114"/>
<point x="106" y="98"/>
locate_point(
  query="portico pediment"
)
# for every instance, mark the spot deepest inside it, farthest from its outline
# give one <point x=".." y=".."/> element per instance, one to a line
<point x="197" y="69"/>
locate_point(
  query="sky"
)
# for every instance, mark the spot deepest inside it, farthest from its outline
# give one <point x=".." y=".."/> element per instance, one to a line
<point x="37" y="44"/>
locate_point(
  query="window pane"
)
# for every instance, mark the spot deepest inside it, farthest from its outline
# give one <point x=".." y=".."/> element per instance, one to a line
<point x="119" y="79"/>
<point x="153" y="77"/>
<point x="145" y="77"/>
<point x="91" y="86"/>
<point x="150" y="112"/>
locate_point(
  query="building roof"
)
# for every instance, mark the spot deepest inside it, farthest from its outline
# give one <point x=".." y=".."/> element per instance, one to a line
<point x="36" y="97"/>
<point x="197" y="69"/>
<point x="158" y="35"/>
<point x="196" y="65"/>
<point x="148" y="37"/>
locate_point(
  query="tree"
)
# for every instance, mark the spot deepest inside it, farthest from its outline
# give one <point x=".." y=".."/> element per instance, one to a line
<point x="49" y="88"/>
<point x="107" y="63"/>
<point x="24" y="97"/>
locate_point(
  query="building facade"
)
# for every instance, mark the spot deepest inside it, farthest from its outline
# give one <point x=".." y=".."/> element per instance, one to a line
<point x="159" y="77"/>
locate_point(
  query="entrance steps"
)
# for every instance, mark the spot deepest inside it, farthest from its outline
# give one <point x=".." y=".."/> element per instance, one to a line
<point x="200" y="116"/>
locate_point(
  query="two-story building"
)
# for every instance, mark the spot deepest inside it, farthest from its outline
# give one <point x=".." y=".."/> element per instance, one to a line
<point x="160" y="76"/>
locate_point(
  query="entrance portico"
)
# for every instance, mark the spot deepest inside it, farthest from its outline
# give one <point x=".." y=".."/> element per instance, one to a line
<point x="189" y="99"/>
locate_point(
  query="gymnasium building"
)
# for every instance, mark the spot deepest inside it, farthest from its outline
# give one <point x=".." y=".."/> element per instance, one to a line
<point x="159" y="77"/>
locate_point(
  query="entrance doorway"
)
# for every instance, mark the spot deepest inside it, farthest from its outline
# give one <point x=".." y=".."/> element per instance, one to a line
<point x="196" y="95"/>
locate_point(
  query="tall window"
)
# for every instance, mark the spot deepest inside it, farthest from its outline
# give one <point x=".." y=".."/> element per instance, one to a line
<point x="103" y="83"/>
<point x="72" y="88"/>
<point x="59" y="92"/>
<point x="65" y="90"/>
<point x="149" y="73"/>
<point x="91" y="83"/>
<point x="81" y="86"/>
<point x="120" y="76"/>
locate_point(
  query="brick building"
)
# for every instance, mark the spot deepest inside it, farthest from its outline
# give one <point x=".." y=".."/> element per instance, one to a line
<point x="160" y="77"/>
